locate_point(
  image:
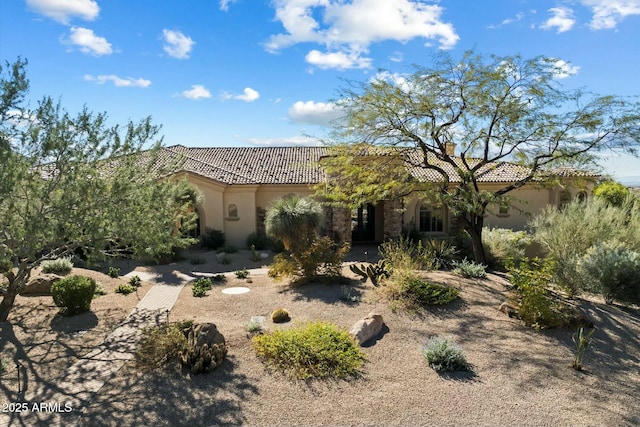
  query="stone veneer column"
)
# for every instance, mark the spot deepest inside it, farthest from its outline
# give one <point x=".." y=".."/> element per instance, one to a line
<point x="341" y="224"/>
<point x="260" y="216"/>
<point x="392" y="219"/>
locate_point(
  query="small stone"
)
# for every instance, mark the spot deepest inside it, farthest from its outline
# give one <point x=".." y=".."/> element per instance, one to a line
<point x="264" y="255"/>
<point x="40" y="285"/>
<point x="367" y="328"/>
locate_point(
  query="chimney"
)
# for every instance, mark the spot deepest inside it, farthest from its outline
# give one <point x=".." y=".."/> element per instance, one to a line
<point x="450" y="148"/>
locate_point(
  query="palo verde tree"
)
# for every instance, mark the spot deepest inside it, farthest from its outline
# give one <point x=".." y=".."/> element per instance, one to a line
<point x="72" y="185"/>
<point x="494" y="109"/>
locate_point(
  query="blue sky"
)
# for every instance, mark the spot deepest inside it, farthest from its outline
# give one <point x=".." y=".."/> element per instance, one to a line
<point x="260" y="72"/>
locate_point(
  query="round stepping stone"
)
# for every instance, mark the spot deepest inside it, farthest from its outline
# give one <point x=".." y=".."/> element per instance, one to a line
<point x="236" y="290"/>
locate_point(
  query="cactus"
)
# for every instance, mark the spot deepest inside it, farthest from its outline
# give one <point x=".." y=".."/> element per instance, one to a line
<point x="373" y="271"/>
<point x="280" y="315"/>
<point x="206" y="348"/>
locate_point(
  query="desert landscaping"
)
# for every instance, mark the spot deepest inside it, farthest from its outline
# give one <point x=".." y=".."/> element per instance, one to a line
<point x="519" y="376"/>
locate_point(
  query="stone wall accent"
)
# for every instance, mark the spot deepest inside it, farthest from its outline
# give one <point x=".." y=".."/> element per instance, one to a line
<point x="340" y="225"/>
<point x="260" y="216"/>
<point x="392" y="219"/>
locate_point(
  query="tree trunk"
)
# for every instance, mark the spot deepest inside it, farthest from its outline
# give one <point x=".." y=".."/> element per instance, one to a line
<point x="17" y="282"/>
<point x="473" y="226"/>
<point x="7" y="303"/>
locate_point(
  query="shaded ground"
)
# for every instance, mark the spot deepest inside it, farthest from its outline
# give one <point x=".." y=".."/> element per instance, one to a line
<point x="520" y="376"/>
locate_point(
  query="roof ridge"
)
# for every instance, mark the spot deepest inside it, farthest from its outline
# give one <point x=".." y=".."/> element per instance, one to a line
<point x="202" y="162"/>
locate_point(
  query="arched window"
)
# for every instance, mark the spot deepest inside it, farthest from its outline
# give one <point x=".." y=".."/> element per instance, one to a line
<point x="564" y="198"/>
<point x="233" y="211"/>
<point x="431" y="219"/>
<point x="581" y="197"/>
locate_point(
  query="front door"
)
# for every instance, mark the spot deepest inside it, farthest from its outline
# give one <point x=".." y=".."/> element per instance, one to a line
<point x="363" y="223"/>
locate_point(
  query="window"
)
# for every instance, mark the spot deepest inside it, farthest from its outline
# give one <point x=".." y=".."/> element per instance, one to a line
<point x="564" y="198"/>
<point x="431" y="219"/>
<point x="581" y="197"/>
<point x="233" y="211"/>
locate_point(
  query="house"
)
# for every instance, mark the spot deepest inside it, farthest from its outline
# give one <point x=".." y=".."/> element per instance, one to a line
<point x="239" y="184"/>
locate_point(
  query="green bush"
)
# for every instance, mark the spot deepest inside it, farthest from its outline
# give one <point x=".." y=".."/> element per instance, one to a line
<point x="135" y="281"/>
<point x="444" y="355"/>
<point x="566" y="235"/>
<point x="401" y="254"/>
<point x="218" y="278"/>
<point x="322" y="258"/>
<point x="161" y="346"/>
<point x="612" y="192"/>
<point x="212" y="239"/>
<point x="59" y="266"/>
<point x="114" y="272"/>
<point x="406" y="291"/>
<point x="468" y="268"/>
<point x="314" y="350"/>
<point x="73" y="294"/>
<point x="125" y="289"/>
<point x="438" y="254"/>
<point x="201" y="286"/>
<point x="502" y="245"/>
<point x="259" y="241"/>
<point x="242" y="274"/>
<point x="229" y="249"/>
<point x="612" y="269"/>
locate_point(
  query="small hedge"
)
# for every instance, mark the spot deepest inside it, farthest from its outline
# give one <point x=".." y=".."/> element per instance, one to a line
<point x="73" y="294"/>
<point x="314" y="350"/>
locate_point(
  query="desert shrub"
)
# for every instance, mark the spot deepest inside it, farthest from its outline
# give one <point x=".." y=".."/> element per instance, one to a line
<point x="242" y="274"/>
<point x="411" y="233"/>
<point x="406" y="291"/>
<point x="437" y="254"/>
<point x="224" y="260"/>
<point x="114" y="272"/>
<point x="612" y="192"/>
<point x="218" y="278"/>
<point x="125" y="289"/>
<point x="99" y="290"/>
<point x="612" y="269"/>
<point x="259" y="241"/>
<point x="58" y="265"/>
<point x="161" y="346"/>
<point x="322" y="258"/>
<point x="73" y="294"/>
<point x="276" y="245"/>
<point x="468" y="268"/>
<point x="228" y="249"/>
<point x="255" y="327"/>
<point x="348" y="294"/>
<point x="537" y="306"/>
<point x="135" y="281"/>
<point x="567" y="234"/>
<point x="445" y="355"/>
<point x="212" y="239"/>
<point x="314" y="350"/>
<point x="282" y="266"/>
<point x="201" y="286"/>
<point x="502" y="244"/>
<point x="401" y="254"/>
<point x="197" y="261"/>
<point x="280" y="315"/>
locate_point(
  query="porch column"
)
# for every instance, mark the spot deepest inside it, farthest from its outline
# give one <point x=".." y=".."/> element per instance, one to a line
<point x="392" y="219"/>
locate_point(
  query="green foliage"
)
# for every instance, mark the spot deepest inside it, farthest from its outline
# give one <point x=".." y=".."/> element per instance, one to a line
<point x="224" y="260"/>
<point x="259" y="241"/>
<point x="566" y="235"/>
<point x="99" y="291"/>
<point x="612" y="269"/>
<point x="201" y="286"/>
<point x="242" y="274"/>
<point x="582" y="342"/>
<point x="294" y="220"/>
<point x="255" y="327"/>
<point x="161" y="346"/>
<point x="348" y="294"/>
<point x="280" y="315"/>
<point x="135" y="281"/>
<point x="114" y="272"/>
<point x="471" y="269"/>
<point x="282" y="266"/>
<point x="58" y="265"/>
<point x="406" y="291"/>
<point x="315" y="350"/>
<point x="73" y="294"/>
<point x="212" y="239"/>
<point x="197" y="261"/>
<point x="612" y="192"/>
<point x="438" y="254"/>
<point x="323" y="257"/>
<point x="228" y="249"/>
<point x="373" y="272"/>
<point x="3" y="366"/>
<point x="401" y="253"/>
<point x="537" y="306"/>
<point x="219" y="278"/>
<point x="502" y="245"/>
<point x="445" y="355"/>
<point x="125" y="289"/>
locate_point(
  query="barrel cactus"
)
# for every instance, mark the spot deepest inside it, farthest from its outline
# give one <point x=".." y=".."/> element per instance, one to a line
<point x="280" y="315"/>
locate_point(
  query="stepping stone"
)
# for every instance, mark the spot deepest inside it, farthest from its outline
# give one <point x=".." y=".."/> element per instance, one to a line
<point x="236" y="290"/>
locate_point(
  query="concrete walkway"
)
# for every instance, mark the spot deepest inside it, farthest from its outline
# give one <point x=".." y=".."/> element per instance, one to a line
<point x="67" y="399"/>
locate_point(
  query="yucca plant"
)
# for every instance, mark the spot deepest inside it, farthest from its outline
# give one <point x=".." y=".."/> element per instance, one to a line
<point x="294" y="220"/>
<point x="582" y="341"/>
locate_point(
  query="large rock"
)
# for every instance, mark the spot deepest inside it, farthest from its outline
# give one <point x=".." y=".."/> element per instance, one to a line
<point x="367" y="328"/>
<point x="40" y="284"/>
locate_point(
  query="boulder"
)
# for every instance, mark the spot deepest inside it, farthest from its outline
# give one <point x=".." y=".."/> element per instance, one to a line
<point x="40" y="284"/>
<point x="367" y="328"/>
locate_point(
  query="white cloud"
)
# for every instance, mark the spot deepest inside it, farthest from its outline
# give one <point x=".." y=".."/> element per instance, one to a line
<point x="337" y="60"/>
<point x="564" y="69"/>
<point x="224" y="4"/>
<point x="562" y="19"/>
<point x="518" y="17"/>
<point x="248" y="95"/>
<point x="350" y="27"/>
<point x="88" y="42"/>
<point x="317" y="113"/>
<point x="285" y="142"/>
<point x="117" y="81"/>
<point x="196" y="92"/>
<point x="177" y="44"/>
<point x="63" y="10"/>
<point x="608" y="13"/>
<point x="396" y="57"/>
